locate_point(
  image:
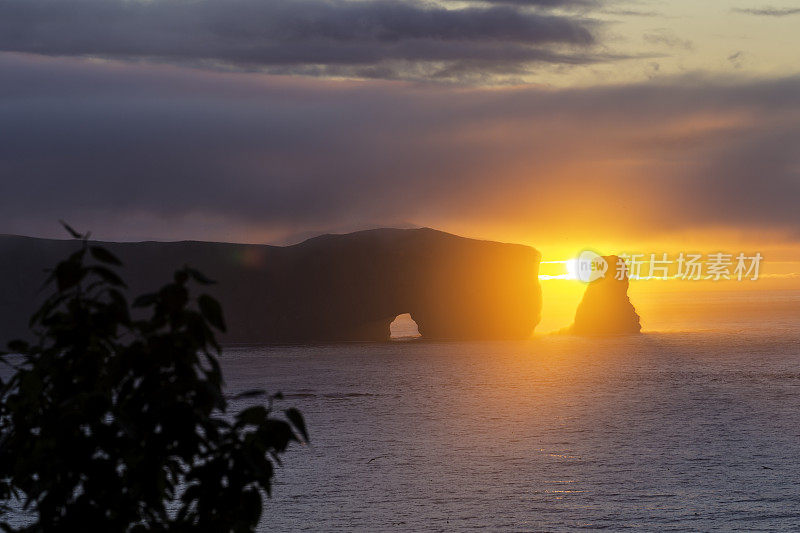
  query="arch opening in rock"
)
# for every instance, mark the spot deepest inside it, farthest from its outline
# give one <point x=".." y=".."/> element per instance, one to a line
<point x="403" y="328"/>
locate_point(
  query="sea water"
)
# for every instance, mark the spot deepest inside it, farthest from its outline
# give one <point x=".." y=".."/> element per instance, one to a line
<point x="679" y="430"/>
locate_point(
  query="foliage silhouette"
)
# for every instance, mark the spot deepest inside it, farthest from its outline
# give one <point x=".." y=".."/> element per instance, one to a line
<point x="115" y="423"/>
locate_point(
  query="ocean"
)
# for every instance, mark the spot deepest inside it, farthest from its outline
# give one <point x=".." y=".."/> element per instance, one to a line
<point x="676" y="430"/>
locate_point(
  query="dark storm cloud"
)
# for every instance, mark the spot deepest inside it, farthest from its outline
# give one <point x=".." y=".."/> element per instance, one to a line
<point x="300" y="34"/>
<point x="769" y="11"/>
<point x="102" y="144"/>
<point x="547" y="4"/>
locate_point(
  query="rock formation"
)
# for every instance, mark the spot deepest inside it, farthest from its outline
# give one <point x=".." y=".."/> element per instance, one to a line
<point x="329" y="288"/>
<point x="605" y="308"/>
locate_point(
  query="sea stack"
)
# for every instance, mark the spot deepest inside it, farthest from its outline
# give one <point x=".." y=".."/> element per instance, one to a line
<point x="605" y="308"/>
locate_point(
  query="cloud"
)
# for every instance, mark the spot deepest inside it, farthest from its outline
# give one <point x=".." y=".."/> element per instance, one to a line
<point x="736" y="59"/>
<point x="547" y="4"/>
<point x="135" y="151"/>
<point x="769" y="11"/>
<point x="338" y="37"/>
<point x="631" y="13"/>
<point x="665" y="37"/>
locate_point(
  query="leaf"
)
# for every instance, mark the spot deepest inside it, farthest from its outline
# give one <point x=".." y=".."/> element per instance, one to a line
<point x="77" y="255"/>
<point x="71" y="231"/>
<point x="47" y="308"/>
<point x="212" y="311"/>
<point x="297" y="421"/>
<point x="107" y="275"/>
<point x="104" y="256"/>
<point x="145" y="300"/>
<point x="252" y="393"/>
<point x="250" y="501"/>
<point x="255" y="415"/>
<point x="278" y="434"/>
<point x="216" y="370"/>
<point x="18" y="346"/>
<point x="121" y="305"/>
<point x="68" y="274"/>
<point x="199" y="277"/>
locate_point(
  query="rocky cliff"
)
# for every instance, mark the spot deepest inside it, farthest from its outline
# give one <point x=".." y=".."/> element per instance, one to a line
<point x="329" y="288"/>
<point x="605" y="308"/>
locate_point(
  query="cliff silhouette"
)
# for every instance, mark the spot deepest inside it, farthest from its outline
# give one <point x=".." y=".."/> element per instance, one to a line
<point x="605" y="308"/>
<point x="329" y="288"/>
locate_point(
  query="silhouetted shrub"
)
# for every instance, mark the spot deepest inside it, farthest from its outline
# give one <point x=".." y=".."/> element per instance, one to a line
<point x="114" y="423"/>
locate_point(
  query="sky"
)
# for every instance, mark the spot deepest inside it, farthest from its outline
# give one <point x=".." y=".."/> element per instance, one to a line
<point x="563" y="124"/>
